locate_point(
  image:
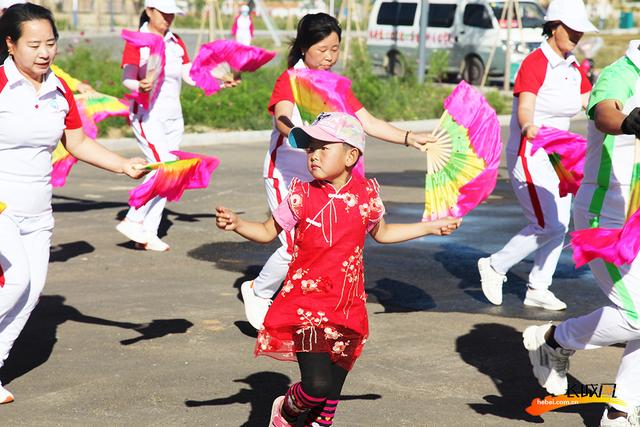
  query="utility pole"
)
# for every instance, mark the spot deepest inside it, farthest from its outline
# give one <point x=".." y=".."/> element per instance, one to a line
<point x="422" y="44"/>
<point x="507" y="53"/>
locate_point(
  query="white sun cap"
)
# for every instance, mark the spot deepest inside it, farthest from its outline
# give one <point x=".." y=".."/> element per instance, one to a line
<point x="571" y="13"/>
<point x="165" y="6"/>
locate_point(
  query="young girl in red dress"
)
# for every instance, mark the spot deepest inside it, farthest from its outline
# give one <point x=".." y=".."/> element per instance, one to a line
<point x="319" y="318"/>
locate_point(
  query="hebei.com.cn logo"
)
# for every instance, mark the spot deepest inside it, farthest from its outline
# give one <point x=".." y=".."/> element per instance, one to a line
<point x="578" y="394"/>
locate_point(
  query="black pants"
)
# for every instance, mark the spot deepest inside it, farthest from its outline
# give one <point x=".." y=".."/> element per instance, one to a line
<point x="320" y="376"/>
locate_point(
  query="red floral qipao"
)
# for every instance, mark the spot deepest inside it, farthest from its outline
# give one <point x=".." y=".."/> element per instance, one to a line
<point x="321" y="307"/>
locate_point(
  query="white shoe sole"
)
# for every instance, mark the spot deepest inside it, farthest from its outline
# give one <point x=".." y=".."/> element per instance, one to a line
<point x="533" y="303"/>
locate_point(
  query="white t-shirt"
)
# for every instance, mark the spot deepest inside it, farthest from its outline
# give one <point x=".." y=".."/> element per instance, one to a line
<point x="31" y="124"/>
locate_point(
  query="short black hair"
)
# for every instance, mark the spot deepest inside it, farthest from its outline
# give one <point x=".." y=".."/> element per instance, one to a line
<point x="549" y="26"/>
<point x="312" y="28"/>
<point x="13" y="17"/>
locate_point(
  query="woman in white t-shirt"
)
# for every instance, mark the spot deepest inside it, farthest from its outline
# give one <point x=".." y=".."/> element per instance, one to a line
<point x="159" y="128"/>
<point x="549" y="90"/>
<point x="37" y="109"/>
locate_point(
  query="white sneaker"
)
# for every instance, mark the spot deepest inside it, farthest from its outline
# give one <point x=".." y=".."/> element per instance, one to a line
<point x="255" y="307"/>
<point x="132" y="231"/>
<point x="549" y="366"/>
<point x="543" y="298"/>
<point x="5" y="395"/>
<point x="491" y="281"/>
<point x="631" y="420"/>
<point x="155" y="244"/>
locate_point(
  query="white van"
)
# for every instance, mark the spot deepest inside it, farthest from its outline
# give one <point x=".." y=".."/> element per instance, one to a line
<point x="466" y="29"/>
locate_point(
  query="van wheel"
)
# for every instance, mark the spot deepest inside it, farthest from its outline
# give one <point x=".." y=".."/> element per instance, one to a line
<point x="396" y="66"/>
<point x="473" y="70"/>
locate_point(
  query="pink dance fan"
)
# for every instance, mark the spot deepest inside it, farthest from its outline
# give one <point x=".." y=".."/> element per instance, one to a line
<point x="617" y="246"/>
<point x="61" y="161"/>
<point x="566" y="152"/>
<point x="155" y="63"/>
<point x="172" y="178"/>
<point x="217" y="61"/>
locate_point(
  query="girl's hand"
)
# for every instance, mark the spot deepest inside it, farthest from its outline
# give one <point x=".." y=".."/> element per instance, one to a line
<point x="225" y="219"/>
<point x="145" y="85"/>
<point x="133" y="168"/>
<point x="420" y="140"/>
<point x="444" y="226"/>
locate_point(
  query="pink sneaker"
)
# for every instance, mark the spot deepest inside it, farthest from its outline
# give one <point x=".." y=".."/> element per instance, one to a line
<point x="277" y="420"/>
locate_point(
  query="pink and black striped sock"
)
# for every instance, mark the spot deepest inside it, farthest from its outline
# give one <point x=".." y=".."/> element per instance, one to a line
<point x="297" y="402"/>
<point x="322" y="415"/>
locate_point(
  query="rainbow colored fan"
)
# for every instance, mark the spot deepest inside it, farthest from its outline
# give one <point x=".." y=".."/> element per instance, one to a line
<point x="462" y="165"/>
<point x="61" y="161"/>
<point x="172" y="178"/>
<point x="217" y="61"/>
<point x="318" y="91"/>
<point x="95" y="107"/>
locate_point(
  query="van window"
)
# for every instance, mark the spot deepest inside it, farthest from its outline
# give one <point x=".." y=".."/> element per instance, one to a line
<point x="397" y="14"/>
<point x="476" y="15"/>
<point x="532" y="15"/>
<point x="441" y="15"/>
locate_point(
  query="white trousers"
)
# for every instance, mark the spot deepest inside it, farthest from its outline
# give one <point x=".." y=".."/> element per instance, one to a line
<point x="24" y="258"/>
<point x="275" y="270"/>
<point x="156" y="139"/>
<point x="535" y="184"/>
<point x="618" y="323"/>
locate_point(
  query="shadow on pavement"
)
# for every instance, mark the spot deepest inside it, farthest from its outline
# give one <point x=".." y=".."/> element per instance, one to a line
<point x="159" y="328"/>
<point x="264" y="388"/>
<point x="74" y="204"/>
<point x="496" y="351"/>
<point x="35" y="344"/>
<point x="166" y="223"/>
<point x="66" y="251"/>
<point x="400" y="297"/>
<point x="37" y="340"/>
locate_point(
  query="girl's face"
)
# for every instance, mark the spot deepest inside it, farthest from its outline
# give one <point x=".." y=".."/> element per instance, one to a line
<point x="324" y="54"/>
<point x="330" y="160"/>
<point x="35" y="50"/>
<point x="159" y="22"/>
<point x="566" y="39"/>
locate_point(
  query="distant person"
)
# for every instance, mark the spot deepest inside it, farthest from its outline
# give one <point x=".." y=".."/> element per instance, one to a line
<point x="38" y="110"/>
<point x="319" y="318"/>
<point x="549" y="90"/>
<point x="159" y="128"/>
<point x="242" y="28"/>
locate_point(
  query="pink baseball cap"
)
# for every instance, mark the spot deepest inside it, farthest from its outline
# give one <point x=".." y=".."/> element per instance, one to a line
<point x="330" y="127"/>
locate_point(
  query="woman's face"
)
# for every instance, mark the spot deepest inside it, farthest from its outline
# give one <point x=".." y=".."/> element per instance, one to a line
<point x="566" y="39"/>
<point x="159" y="22"/>
<point x="35" y="50"/>
<point x="324" y="54"/>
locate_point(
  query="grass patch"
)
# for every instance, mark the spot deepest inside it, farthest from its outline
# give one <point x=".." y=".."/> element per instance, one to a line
<point x="244" y="107"/>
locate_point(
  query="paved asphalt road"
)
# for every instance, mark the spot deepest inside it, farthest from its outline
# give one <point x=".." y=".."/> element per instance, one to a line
<point x="126" y="337"/>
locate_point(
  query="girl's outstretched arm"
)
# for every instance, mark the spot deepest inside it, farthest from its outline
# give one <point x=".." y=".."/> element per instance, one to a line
<point x="260" y="232"/>
<point x="395" y="233"/>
